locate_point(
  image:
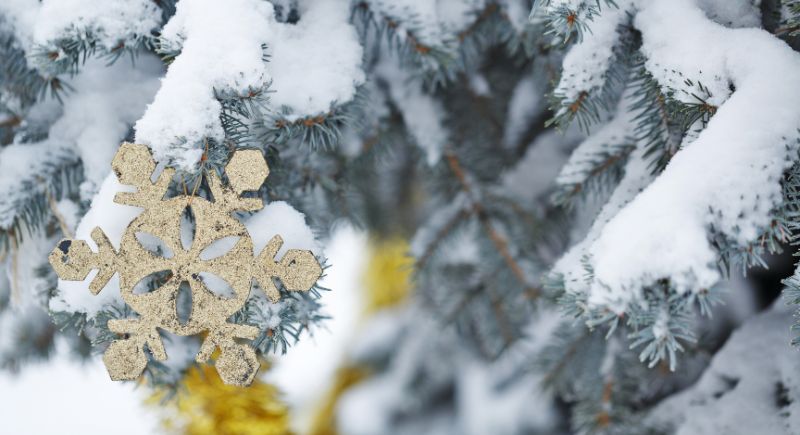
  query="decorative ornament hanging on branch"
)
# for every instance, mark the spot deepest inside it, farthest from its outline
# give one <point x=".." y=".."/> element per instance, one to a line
<point x="125" y="359"/>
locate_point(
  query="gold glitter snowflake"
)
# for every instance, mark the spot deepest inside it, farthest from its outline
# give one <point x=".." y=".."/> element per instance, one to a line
<point x="236" y="364"/>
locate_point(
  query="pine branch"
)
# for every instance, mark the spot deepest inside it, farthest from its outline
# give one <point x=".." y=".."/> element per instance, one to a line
<point x="656" y="124"/>
<point x="560" y="365"/>
<point x="441" y="235"/>
<point x="568" y="20"/>
<point x="500" y="243"/>
<point x="605" y="169"/>
<point x="27" y="209"/>
<point x="402" y="37"/>
<point x="790" y="23"/>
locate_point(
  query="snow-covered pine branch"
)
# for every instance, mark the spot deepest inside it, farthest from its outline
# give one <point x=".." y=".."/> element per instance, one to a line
<point x="675" y="159"/>
<point x="60" y="35"/>
<point x="721" y="191"/>
<point x="292" y="71"/>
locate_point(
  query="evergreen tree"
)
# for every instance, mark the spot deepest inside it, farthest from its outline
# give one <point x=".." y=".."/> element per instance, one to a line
<point x="581" y="182"/>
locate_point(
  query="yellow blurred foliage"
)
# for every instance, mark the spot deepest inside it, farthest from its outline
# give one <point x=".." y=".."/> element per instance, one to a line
<point x="387" y="277"/>
<point x="325" y="420"/>
<point x="204" y="405"/>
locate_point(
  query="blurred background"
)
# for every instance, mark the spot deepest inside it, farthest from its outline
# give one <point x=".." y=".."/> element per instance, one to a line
<point x="295" y="393"/>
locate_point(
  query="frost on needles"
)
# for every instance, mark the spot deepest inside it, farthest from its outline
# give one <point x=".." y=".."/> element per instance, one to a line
<point x="720" y="194"/>
<point x="580" y="182"/>
<point x="224" y="52"/>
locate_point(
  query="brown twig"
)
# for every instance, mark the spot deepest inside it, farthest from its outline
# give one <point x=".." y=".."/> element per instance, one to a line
<point x="486" y="13"/>
<point x="440" y="235"/>
<point x="559" y="366"/>
<point x="603" y="418"/>
<point x="497" y="239"/>
<point x="499" y="313"/>
<point x="471" y="294"/>
<point x="15" y="295"/>
<point x="576" y="105"/>
<point x="12" y="121"/>
<point x="57" y="214"/>
<point x="392" y="24"/>
<point x="607" y="163"/>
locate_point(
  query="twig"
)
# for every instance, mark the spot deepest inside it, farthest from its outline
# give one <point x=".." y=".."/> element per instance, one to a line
<point x="502" y="320"/>
<point x="203" y="160"/>
<point x="603" y="418"/>
<point x="559" y="366"/>
<point x="58" y="215"/>
<point x="486" y="13"/>
<point x="440" y="235"/>
<point x="498" y="240"/>
<point x="471" y="294"/>
<point x="15" y="296"/>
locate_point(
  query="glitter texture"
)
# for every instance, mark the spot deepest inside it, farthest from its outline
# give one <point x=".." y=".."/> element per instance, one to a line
<point x="237" y="363"/>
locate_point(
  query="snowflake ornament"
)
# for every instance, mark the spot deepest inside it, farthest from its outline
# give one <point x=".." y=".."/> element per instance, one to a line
<point x="237" y="363"/>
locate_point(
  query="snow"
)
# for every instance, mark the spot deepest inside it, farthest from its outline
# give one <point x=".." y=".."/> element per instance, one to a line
<point x="489" y="403"/>
<point x="70" y="213"/>
<point x="311" y="65"/>
<point x="369" y="406"/>
<point x="96" y="117"/>
<point x="741" y="391"/>
<point x="732" y="13"/>
<point x="113" y="218"/>
<point x="587" y="62"/>
<point x="728" y="178"/>
<point x="433" y="23"/>
<point x="570" y="266"/>
<point x="107" y="100"/>
<point x="279" y="218"/>
<point x="733" y="168"/>
<point x="111" y="22"/>
<point x="479" y="84"/>
<point x="526" y="102"/>
<point x="316" y="62"/>
<point x="78" y="398"/>
<point x="636" y="176"/>
<point x="308" y="369"/>
<point x="23" y="162"/>
<point x="499" y="397"/>
<point x="385" y="328"/>
<point x="221" y="49"/>
<point x="422" y="114"/>
<point x="517" y="11"/>
<point x="362" y="409"/>
<point x="457" y="15"/>
<point x="533" y="175"/>
<point x="21" y="15"/>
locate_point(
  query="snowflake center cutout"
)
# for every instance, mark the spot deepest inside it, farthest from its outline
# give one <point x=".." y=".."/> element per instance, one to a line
<point x="237" y="265"/>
